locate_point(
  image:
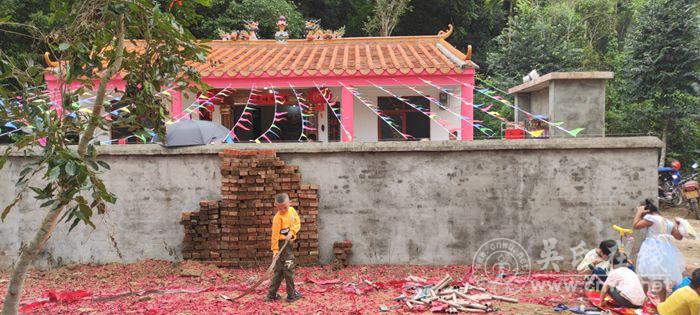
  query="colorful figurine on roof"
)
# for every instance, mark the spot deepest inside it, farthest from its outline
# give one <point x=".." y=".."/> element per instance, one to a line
<point x="50" y="63"/>
<point x="446" y="33"/>
<point x="334" y="34"/>
<point x="251" y="28"/>
<point x="225" y="35"/>
<point x="281" y="35"/>
<point x="314" y="31"/>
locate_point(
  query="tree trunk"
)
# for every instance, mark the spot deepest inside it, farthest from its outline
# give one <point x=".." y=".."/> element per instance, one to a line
<point x="29" y="253"/>
<point x="102" y="90"/>
<point x="14" y="290"/>
<point x="664" y="139"/>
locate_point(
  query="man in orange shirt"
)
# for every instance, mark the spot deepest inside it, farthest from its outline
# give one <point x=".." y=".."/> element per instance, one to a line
<point x="285" y="226"/>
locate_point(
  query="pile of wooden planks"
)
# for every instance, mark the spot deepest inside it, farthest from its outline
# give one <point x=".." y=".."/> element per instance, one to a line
<point x="444" y="297"/>
<point x="236" y="231"/>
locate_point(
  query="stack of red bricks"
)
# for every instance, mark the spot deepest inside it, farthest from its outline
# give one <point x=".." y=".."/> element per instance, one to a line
<point x="202" y="232"/>
<point x="341" y="250"/>
<point x="236" y="231"/>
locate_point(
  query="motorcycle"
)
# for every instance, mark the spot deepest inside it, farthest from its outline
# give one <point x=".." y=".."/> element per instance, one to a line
<point x="691" y="193"/>
<point x="669" y="184"/>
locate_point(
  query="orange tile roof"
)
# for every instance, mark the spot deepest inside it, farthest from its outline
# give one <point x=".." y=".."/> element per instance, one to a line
<point x="366" y="55"/>
<point x="345" y="56"/>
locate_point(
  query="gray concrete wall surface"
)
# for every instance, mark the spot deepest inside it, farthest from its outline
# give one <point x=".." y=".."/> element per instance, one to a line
<point x="540" y="102"/>
<point x="579" y="103"/>
<point x="522" y="100"/>
<point x="399" y="202"/>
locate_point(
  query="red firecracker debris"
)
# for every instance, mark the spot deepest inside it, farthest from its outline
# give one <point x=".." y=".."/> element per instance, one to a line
<point x="156" y="287"/>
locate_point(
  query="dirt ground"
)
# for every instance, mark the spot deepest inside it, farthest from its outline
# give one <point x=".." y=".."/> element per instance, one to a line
<point x="49" y="292"/>
<point x="71" y="289"/>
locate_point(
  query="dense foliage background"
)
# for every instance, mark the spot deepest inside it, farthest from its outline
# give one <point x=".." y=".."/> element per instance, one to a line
<point x="653" y="46"/>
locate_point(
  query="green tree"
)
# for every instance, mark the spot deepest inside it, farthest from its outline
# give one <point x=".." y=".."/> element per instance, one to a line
<point x="643" y="118"/>
<point x="13" y="36"/>
<point x="662" y="63"/>
<point x="509" y="5"/>
<point x="473" y="24"/>
<point x="228" y="16"/>
<point x="362" y="10"/>
<point x="546" y="38"/>
<point x="88" y="40"/>
<point x="386" y="16"/>
<point x="338" y="13"/>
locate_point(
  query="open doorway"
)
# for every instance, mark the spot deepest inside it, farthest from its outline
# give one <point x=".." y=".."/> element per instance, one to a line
<point x="408" y="119"/>
<point x="260" y="117"/>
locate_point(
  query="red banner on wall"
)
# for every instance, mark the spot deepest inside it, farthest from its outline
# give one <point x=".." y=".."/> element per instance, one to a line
<point x="269" y="99"/>
<point x="316" y="98"/>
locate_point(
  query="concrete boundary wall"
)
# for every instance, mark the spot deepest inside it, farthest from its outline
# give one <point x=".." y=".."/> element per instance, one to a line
<point x="399" y="202"/>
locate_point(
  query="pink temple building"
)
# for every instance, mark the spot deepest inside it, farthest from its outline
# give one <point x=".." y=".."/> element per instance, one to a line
<point x="342" y="85"/>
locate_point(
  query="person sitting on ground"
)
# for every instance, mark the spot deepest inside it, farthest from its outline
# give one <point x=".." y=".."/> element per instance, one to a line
<point x="595" y="263"/>
<point x="685" y="301"/>
<point x="285" y="226"/>
<point x="622" y="284"/>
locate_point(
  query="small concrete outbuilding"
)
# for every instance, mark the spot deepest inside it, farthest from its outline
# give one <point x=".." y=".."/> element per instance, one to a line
<point x="575" y="98"/>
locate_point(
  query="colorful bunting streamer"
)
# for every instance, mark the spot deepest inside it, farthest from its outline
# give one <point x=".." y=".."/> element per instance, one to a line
<point x="194" y="107"/>
<point x="41" y="98"/>
<point x="537" y="133"/>
<point x="59" y="109"/>
<point x="277" y="117"/>
<point x="491" y="85"/>
<point x="10" y="132"/>
<point x="486" y="131"/>
<point x="490" y="113"/>
<point x="376" y="110"/>
<point x="574" y="132"/>
<point x="243" y="118"/>
<point x="432" y="116"/>
<point x="326" y="98"/>
<point x="178" y="117"/>
<point x="490" y="94"/>
<point x="152" y="134"/>
<point x="302" y="107"/>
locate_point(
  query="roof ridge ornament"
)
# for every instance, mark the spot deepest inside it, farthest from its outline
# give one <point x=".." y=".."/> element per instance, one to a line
<point x="314" y="31"/>
<point x="468" y="55"/>
<point x="446" y="33"/>
<point x="251" y="27"/>
<point x="281" y="35"/>
<point x="50" y="63"/>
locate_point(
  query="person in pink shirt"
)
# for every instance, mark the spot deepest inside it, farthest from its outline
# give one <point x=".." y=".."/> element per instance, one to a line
<point x="623" y="285"/>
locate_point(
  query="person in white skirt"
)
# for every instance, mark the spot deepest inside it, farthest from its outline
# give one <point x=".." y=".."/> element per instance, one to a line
<point x="659" y="262"/>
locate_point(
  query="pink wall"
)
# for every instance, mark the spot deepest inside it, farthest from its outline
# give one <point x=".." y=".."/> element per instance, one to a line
<point x="347" y="115"/>
<point x="176" y="106"/>
<point x="467" y="110"/>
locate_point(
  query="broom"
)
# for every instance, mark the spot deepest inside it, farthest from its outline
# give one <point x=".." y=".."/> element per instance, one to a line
<point x="267" y="274"/>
